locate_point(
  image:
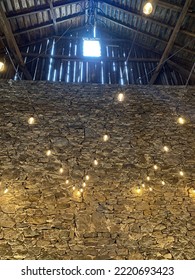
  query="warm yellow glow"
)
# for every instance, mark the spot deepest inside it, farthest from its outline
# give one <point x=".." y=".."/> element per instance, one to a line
<point x="78" y="193"/>
<point x="121" y="97"/>
<point x="148" y="178"/>
<point x="155" y="167"/>
<point x="48" y="153"/>
<point x="95" y="162"/>
<point x="163" y="183"/>
<point x="6" y="190"/>
<point x="105" y="137"/>
<point x="2" y="66"/>
<point x="73" y="188"/>
<point x="148" y="8"/>
<point x="181" y="120"/>
<point x="143" y="185"/>
<point x="67" y="182"/>
<point x="84" y="184"/>
<point x="81" y="190"/>
<point x="87" y="177"/>
<point x="138" y="190"/>
<point x="165" y="148"/>
<point x="150" y="189"/>
<point x="31" y="120"/>
<point x="181" y="173"/>
<point x="61" y="170"/>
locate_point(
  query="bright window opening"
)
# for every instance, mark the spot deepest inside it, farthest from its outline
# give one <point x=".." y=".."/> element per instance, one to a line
<point x="91" y="47"/>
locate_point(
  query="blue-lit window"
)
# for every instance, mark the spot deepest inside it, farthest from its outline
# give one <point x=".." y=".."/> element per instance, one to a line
<point x="91" y="47"/>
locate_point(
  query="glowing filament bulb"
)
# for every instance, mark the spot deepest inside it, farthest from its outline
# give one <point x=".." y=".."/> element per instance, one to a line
<point x="84" y="184"/>
<point x="87" y="177"/>
<point x="67" y="182"/>
<point x="73" y="188"/>
<point x="150" y="189"/>
<point x="165" y="148"/>
<point x="61" y="170"/>
<point x="148" y="178"/>
<point x="48" y="153"/>
<point x="181" y="173"/>
<point x="2" y="66"/>
<point x="181" y="120"/>
<point x="31" y="120"/>
<point x="105" y="137"/>
<point x="163" y="183"/>
<point x="148" y="8"/>
<point x="95" y="162"/>
<point x="121" y="97"/>
<point x="155" y="167"/>
<point x="6" y="190"/>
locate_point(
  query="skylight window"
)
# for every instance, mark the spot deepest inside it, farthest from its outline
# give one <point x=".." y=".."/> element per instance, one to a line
<point x="91" y="47"/>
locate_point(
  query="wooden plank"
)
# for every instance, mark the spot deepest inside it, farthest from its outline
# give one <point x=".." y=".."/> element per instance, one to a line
<point x="170" y="42"/>
<point x="13" y="47"/>
<point x="53" y="15"/>
<point x="184" y="72"/>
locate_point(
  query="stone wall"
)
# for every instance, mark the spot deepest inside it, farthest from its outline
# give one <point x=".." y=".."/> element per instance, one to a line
<point x="120" y="214"/>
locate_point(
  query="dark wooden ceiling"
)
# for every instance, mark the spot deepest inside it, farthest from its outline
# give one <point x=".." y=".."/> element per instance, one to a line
<point x="168" y="31"/>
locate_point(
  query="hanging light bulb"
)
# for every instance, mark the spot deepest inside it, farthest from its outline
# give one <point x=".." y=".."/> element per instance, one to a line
<point x="73" y="188"/>
<point x="67" y="182"/>
<point x="31" y="120"/>
<point x="81" y="190"/>
<point x="147" y="8"/>
<point x="150" y="189"/>
<point x="87" y="177"/>
<point x="148" y="178"/>
<point x="138" y="190"/>
<point x="48" y="153"/>
<point x="84" y="184"/>
<point x="163" y="182"/>
<point x="181" y="120"/>
<point x="105" y="137"/>
<point x="6" y="190"/>
<point x="165" y="148"/>
<point x="2" y="66"/>
<point x="121" y="97"/>
<point x="78" y="193"/>
<point x="143" y="185"/>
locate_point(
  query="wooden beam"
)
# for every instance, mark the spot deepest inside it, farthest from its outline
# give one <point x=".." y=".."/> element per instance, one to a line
<point x="53" y="15"/>
<point x="170" y="42"/>
<point x="173" y="7"/>
<point x="140" y="15"/>
<point x="184" y="72"/>
<point x="50" y="23"/>
<point x="114" y="21"/>
<point x="11" y="42"/>
<point x="77" y="58"/>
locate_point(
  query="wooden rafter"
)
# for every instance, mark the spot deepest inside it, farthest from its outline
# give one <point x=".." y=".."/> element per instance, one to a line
<point x="142" y="16"/>
<point x="184" y="72"/>
<point x="53" y="15"/>
<point x="11" y="42"/>
<point x="142" y="33"/>
<point x="170" y="42"/>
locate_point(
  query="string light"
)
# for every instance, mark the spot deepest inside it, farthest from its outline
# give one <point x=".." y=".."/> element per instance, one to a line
<point x="143" y="185"/>
<point x="150" y="189"/>
<point x="138" y="190"/>
<point x="105" y="137"/>
<point x="181" y="173"/>
<point x="84" y="184"/>
<point x="95" y="162"/>
<point x="121" y="97"/>
<point x="78" y="193"/>
<point x="6" y="190"/>
<point x="2" y="66"/>
<point x="67" y="182"/>
<point x="31" y="120"/>
<point x="163" y="182"/>
<point x="181" y="120"/>
<point x="148" y="178"/>
<point x="61" y="170"/>
<point x="165" y="148"/>
<point x="87" y="177"/>
<point x="155" y="167"/>
<point x="147" y="8"/>
<point x="73" y="188"/>
<point x="48" y="153"/>
<point x="81" y="190"/>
